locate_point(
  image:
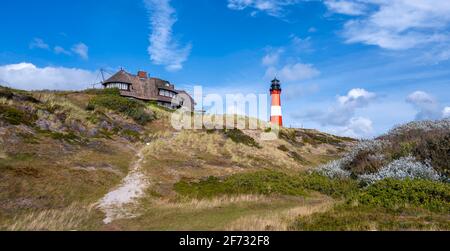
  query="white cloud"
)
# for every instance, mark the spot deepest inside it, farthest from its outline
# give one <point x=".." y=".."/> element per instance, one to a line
<point x="61" y="50"/>
<point x="396" y="24"/>
<point x="293" y="72"/>
<point x="346" y="7"/>
<point x="39" y="44"/>
<point x="81" y="50"/>
<point x="357" y="127"/>
<point x="356" y="98"/>
<point x="426" y="105"/>
<point x="272" y="57"/>
<point x="283" y="62"/>
<point x="446" y="113"/>
<point x="27" y="76"/>
<point x="341" y="116"/>
<point x="271" y="7"/>
<point x="312" y="30"/>
<point x="163" y="49"/>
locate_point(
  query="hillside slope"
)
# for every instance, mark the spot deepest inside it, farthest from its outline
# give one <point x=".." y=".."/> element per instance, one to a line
<point x="63" y="153"/>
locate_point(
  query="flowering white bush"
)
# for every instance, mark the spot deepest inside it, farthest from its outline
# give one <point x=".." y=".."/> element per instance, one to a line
<point x="403" y="168"/>
<point x="335" y="169"/>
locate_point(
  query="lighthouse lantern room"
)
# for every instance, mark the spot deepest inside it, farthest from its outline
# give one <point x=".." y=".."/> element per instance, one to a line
<point x="276" y="117"/>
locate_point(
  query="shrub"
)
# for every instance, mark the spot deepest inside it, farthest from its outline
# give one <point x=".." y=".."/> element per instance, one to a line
<point x="265" y="182"/>
<point x="334" y="169"/>
<point x="129" y="107"/>
<point x="239" y="137"/>
<point x="404" y="168"/>
<point x="16" y="116"/>
<point x="268" y="182"/>
<point x="283" y="148"/>
<point x="338" y="188"/>
<point x="392" y="194"/>
<point x="107" y="91"/>
<point x="437" y="151"/>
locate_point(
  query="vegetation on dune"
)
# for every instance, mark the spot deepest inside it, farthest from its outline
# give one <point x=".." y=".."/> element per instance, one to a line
<point x="239" y="137"/>
<point x="267" y="182"/>
<point x="129" y="107"/>
<point x="300" y="137"/>
<point x="15" y="116"/>
<point x="394" y="194"/>
<point x="387" y="205"/>
<point x="58" y="158"/>
<point x="418" y="150"/>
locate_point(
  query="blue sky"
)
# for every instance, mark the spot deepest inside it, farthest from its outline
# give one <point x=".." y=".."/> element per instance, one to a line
<point x="350" y="67"/>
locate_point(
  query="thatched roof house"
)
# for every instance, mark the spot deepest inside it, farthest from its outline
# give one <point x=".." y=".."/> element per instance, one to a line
<point x="144" y="88"/>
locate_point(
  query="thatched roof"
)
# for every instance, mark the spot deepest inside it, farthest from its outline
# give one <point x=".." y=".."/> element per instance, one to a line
<point x="143" y="88"/>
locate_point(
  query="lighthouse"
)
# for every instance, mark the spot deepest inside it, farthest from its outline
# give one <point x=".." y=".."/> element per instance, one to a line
<point x="276" y="117"/>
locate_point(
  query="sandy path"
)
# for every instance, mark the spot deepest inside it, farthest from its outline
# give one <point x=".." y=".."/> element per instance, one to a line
<point x="116" y="204"/>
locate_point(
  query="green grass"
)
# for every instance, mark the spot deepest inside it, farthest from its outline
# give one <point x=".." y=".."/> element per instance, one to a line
<point x="203" y="219"/>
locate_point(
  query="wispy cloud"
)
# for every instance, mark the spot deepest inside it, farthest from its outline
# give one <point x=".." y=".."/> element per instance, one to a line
<point x="164" y="49"/>
<point x="61" y="50"/>
<point x="293" y="72"/>
<point x="354" y="8"/>
<point x="397" y="24"/>
<point x="81" y="50"/>
<point x="28" y="76"/>
<point x="274" y="8"/>
<point x="39" y="43"/>
<point x="283" y="62"/>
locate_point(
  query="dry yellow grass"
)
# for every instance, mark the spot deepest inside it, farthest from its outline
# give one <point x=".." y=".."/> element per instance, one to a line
<point x="198" y="204"/>
<point x="67" y="219"/>
<point x="279" y="221"/>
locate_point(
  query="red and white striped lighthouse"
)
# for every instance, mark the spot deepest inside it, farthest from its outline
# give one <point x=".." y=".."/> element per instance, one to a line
<point x="276" y="117"/>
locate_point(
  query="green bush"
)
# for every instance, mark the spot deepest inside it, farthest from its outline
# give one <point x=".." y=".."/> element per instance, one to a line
<point x="393" y="194"/>
<point x="129" y="107"/>
<point x="337" y="188"/>
<point x="421" y="205"/>
<point x="265" y="182"/>
<point x="268" y="182"/>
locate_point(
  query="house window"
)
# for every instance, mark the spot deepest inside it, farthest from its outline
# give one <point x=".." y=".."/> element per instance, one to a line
<point x="120" y="86"/>
<point x="166" y="93"/>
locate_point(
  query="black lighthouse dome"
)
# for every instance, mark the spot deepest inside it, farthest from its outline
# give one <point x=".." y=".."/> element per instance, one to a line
<point x="276" y="86"/>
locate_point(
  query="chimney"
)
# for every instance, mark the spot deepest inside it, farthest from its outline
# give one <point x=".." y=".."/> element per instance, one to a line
<point x="142" y="75"/>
